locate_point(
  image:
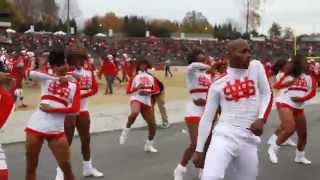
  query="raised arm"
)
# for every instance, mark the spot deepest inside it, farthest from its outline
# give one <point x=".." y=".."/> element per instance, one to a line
<point x="311" y="93"/>
<point x="40" y="76"/>
<point x="205" y="125"/>
<point x="265" y="93"/>
<point x="74" y="108"/>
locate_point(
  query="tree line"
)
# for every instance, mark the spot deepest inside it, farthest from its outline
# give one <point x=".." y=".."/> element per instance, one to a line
<point x="44" y="16"/>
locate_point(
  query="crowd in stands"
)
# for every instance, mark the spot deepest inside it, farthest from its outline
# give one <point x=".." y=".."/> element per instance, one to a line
<point x="156" y="50"/>
<point x="115" y="58"/>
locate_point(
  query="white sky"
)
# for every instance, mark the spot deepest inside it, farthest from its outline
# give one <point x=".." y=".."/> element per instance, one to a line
<point x="301" y="15"/>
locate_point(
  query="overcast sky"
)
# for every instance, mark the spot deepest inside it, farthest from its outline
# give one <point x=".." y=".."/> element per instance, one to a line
<point x="302" y="15"/>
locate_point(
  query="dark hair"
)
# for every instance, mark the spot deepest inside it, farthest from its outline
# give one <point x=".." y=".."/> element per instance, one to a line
<point x="297" y="65"/>
<point x="56" y="57"/>
<point x="278" y="66"/>
<point x="192" y="57"/>
<point x="143" y="61"/>
<point x="75" y="54"/>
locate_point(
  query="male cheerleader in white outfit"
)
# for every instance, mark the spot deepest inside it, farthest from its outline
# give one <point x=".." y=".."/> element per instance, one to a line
<point x="245" y="98"/>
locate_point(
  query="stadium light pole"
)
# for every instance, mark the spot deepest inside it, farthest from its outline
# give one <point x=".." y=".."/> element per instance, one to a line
<point x="68" y="17"/>
<point x="295" y="43"/>
<point x="247" y="18"/>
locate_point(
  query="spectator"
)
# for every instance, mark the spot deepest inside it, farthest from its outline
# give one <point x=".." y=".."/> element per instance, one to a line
<point x="159" y="99"/>
<point x="167" y="68"/>
<point x="108" y="70"/>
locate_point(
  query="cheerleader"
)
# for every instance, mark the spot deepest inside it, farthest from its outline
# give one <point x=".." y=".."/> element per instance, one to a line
<point x="81" y="121"/>
<point x="141" y="88"/>
<point x="300" y="87"/>
<point x="59" y="97"/>
<point x="280" y="70"/>
<point x="7" y="106"/>
<point x="198" y="83"/>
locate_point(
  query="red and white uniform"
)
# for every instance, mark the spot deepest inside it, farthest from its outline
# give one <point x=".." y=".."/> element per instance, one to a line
<point x="88" y="87"/>
<point x="278" y="77"/>
<point x="64" y="98"/>
<point x="244" y="96"/>
<point x="7" y="106"/>
<point x="198" y="83"/>
<point x="303" y="87"/>
<point x="88" y="65"/>
<point x="149" y="86"/>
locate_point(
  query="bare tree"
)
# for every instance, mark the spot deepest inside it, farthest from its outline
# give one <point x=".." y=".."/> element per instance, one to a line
<point x="34" y="11"/>
<point x="251" y="11"/>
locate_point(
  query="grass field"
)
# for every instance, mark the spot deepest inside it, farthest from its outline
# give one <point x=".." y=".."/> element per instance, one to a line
<point x="175" y="90"/>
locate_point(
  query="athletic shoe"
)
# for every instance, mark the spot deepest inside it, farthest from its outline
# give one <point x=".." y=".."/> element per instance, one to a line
<point x="272" y="139"/>
<point x="148" y="147"/>
<point x="289" y="142"/>
<point x="92" y="172"/>
<point x="165" y="125"/>
<point x="179" y="172"/>
<point x="300" y="158"/>
<point x="124" y="135"/>
<point x="23" y="106"/>
<point x="89" y="171"/>
<point x="200" y="173"/>
<point x="60" y="175"/>
<point x="273" y="153"/>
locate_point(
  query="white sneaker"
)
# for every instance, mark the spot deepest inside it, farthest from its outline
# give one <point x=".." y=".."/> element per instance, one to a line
<point x="272" y="139"/>
<point x="92" y="172"/>
<point x="300" y="158"/>
<point x="124" y="135"/>
<point x="165" y="125"/>
<point x="273" y="153"/>
<point x="200" y="173"/>
<point x="289" y="142"/>
<point x="89" y="171"/>
<point x="148" y="147"/>
<point x="60" y="175"/>
<point x="179" y="172"/>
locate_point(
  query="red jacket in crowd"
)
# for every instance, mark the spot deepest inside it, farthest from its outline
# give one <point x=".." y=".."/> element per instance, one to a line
<point x="108" y="68"/>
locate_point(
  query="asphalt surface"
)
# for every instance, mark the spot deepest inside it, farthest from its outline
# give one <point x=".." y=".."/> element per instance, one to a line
<point x="129" y="162"/>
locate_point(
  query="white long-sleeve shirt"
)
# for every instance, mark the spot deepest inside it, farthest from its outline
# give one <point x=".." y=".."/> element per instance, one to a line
<point x="198" y="83"/>
<point x="304" y="87"/>
<point x="88" y="87"/>
<point x="63" y="98"/>
<point x="244" y="96"/>
<point x="149" y="86"/>
<point x="197" y="80"/>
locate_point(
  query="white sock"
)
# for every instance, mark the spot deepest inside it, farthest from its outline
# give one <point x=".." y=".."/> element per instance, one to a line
<point x="181" y="168"/>
<point x="87" y="164"/>
<point x="299" y="153"/>
<point x="275" y="146"/>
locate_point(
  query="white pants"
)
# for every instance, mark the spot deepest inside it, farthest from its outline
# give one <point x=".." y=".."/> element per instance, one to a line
<point x="19" y="95"/>
<point x="234" y="147"/>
